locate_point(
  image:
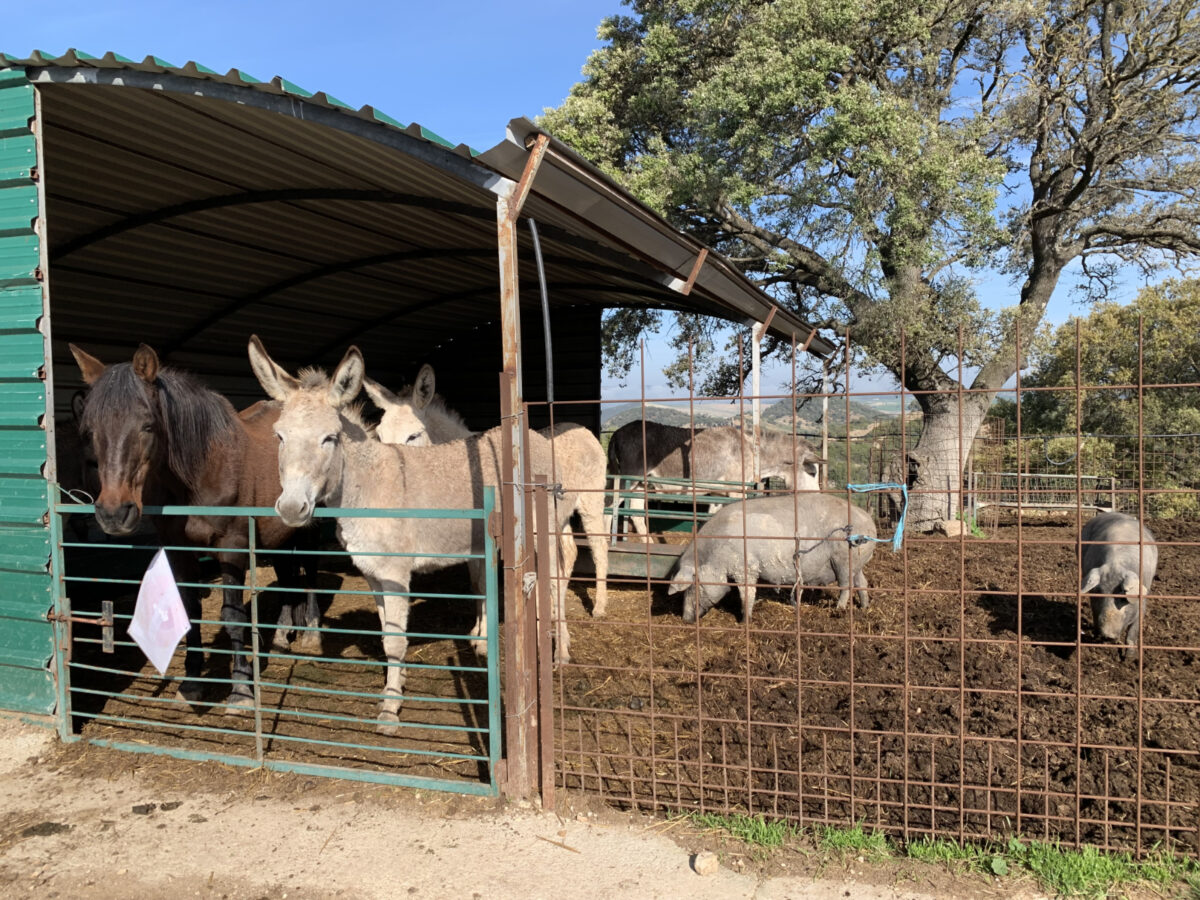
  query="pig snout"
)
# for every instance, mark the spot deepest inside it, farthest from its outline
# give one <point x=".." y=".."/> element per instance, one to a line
<point x="689" y="606"/>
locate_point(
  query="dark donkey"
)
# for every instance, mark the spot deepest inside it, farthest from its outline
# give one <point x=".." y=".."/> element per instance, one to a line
<point x="161" y="437"/>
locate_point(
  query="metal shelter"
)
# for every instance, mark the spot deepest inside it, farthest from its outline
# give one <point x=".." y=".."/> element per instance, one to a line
<point x="184" y="208"/>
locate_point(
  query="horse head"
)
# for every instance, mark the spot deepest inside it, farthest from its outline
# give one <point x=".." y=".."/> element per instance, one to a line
<point x="310" y="428"/>
<point x="122" y="418"/>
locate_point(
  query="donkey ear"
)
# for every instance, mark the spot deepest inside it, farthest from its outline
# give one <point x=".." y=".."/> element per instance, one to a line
<point x="145" y="363"/>
<point x="278" y="384"/>
<point x="90" y="367"/>
<point x="347" y="379"/>
<point x="1092" y="581"/>
<point x="380" y="396"/>
<point x="423" y="388"/>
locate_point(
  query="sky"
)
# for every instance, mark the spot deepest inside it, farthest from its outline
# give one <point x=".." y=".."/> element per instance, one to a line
<point x="462" y="69"/>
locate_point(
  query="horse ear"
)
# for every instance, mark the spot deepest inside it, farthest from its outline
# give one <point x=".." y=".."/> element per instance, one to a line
<point x="90" y="367"/>
<point x="380" y="396"/>
<point x="423" y="388"/>
<point x="145" y="363"/>
<point x="77" y="402"/>
<point x="278" y="384"/>
<point x="347" y="379"/>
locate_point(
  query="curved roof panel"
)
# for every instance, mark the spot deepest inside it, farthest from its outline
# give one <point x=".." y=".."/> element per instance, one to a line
<point x="204" y="205"/>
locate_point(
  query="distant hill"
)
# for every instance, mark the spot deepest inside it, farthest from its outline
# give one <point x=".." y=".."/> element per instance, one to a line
<point x="774" y="416"/>
<point x="808" y="412"/>
<point x="665" y="415"/>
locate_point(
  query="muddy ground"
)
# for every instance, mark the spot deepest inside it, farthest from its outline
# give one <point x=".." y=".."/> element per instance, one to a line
<point x="970" y="698"/>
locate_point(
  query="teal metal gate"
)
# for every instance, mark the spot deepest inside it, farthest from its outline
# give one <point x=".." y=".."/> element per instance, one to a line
<point x="312" y="714"/>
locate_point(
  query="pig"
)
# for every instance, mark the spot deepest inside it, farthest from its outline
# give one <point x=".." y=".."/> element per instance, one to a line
<point x="1111" y="573"/>
<point x="771" y="553"/>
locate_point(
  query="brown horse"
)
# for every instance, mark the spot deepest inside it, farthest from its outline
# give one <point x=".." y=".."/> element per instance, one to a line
<point x="161" y="437"/>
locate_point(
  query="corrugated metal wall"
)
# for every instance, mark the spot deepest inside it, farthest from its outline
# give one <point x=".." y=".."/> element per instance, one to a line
<point x="26" y="636"/>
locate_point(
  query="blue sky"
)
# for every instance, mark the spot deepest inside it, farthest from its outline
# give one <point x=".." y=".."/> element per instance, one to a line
<point x="462" y="69"/>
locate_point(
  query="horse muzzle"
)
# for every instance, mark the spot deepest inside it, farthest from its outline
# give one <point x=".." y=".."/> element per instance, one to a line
<point x="119" y="520"/>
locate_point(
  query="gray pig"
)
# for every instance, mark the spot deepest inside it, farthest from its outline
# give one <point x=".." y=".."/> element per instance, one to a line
<point x="769" y="555"/>
<point x="1110" y="570"/>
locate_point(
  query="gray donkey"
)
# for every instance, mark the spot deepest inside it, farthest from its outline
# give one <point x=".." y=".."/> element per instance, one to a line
<point x="326" y="455"/>
<point x="650" y="449"/>
<point x="418" y="417"/>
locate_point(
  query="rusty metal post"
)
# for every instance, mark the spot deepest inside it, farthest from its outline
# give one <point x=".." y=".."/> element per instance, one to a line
<point x="547" y="541"/>
<point x="518" y="693"/>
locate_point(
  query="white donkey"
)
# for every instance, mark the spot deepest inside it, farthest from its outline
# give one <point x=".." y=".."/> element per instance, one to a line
<point x="418" y="416"/>
<point x="326" y="456"/>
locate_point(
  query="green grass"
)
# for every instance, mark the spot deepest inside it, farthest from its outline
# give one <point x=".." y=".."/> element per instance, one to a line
<point x="1068" y="873"/>
<point x="1086" y="873"/>
<point x="873" y="844"/>
<point x="973" y="526"/>
<point x="753" y="830"/>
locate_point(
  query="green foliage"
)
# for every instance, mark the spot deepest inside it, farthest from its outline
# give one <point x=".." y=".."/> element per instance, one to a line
<point x="850" y="155"/>
<point x="972" y="525"/>
<point x="1104" y="346"/>
<point x="1103" y="349"/>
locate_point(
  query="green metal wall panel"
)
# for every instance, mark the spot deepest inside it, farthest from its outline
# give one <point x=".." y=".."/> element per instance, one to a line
<point x="22" y="403"/>
<point x="18" y="207"/>
<point x="16" y="101"/>
<point x="21" y="354"/>
<point x="28" y="690"/>
<point x="23" y="450"/>
<point x="18" y="155"/>
<point x="26" y="636"/>
<point x="18" y="258"/>
<point x="24" y="549"/>
<point x="25" y="594"/>
<point x="21" y="303"/>
<point x="27" y="643"/>
<point x="23" y="499"/>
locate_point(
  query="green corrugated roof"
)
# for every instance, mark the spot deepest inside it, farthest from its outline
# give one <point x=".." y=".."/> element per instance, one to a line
<point x="277" y="85"/>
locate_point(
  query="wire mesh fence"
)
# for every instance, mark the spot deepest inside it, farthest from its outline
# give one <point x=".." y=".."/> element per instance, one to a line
<point x="976" y="697"/>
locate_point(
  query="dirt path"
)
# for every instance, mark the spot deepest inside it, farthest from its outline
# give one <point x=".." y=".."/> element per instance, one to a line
<point x="82" y="822"/>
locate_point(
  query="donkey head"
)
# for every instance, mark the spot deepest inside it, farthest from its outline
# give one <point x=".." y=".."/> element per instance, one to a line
<point x="798" y="466"/>
<point x="310" y="428"/>
<point x="122" y="418"/>
<point x="404" y="418"/>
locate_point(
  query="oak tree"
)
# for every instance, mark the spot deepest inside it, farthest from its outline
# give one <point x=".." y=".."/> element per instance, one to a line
<point x="868" y="160"/>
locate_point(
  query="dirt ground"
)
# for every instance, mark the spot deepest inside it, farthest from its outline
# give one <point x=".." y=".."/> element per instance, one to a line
<point x="85" y="822"/>
<point x="1008" y="722"/>
<point x="955" y="707"/>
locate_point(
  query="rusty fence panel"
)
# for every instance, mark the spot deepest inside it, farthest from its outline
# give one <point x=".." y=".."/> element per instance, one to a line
<point x="973" y="699"/>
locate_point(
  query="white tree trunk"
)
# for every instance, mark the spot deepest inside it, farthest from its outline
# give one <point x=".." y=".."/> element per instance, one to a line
<point x="936" y="463"/>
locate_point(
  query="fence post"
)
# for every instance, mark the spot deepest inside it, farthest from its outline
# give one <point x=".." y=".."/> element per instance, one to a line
<point x="547" y="609"/>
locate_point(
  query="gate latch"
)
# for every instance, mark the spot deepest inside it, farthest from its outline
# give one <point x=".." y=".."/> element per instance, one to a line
<point x="105" y="623"/>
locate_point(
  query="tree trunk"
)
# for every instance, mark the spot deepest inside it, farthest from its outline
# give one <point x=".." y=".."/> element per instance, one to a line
<point x="936" y="463"/>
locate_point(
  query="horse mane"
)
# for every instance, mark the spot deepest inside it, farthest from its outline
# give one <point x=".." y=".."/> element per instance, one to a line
<point x="194" y="417"/>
